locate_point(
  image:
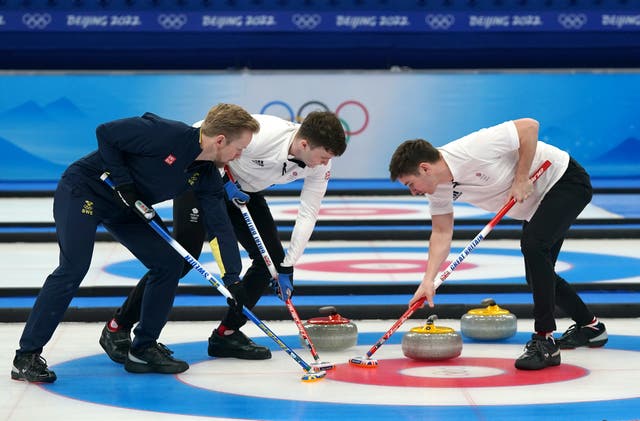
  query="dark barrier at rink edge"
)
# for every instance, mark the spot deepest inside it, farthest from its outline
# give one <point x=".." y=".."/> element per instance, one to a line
<point x="451" y="34"/>
<point x="390" y="312"/>
<point x="599" y="231"/>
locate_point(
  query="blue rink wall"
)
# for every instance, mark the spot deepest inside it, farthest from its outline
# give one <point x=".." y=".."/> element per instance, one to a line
<point x="47" y="120"/>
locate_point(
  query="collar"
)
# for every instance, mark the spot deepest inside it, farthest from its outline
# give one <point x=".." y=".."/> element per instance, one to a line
<point x="290" y="157"/>
<point x="301" y="164"/>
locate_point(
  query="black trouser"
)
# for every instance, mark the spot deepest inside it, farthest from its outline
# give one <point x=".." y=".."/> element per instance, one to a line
<point x="257" y="277"/>
<point x="541" y="241"/>
<point x="190" y="234"/>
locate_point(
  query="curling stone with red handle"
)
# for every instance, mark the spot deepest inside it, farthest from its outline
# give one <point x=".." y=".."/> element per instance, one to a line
<point x="332" y="332"/>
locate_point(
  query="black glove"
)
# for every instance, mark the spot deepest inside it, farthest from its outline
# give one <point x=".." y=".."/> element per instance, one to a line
<point x="128" y="197"/>
<point x="240" y="297"/>
<point x="126" y="194"/>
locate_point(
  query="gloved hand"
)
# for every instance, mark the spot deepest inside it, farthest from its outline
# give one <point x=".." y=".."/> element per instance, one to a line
<point x="126" y="194"/>
<point x="283" y="287"/>
<point x="240" y="297"/>
<point x="234" y="194"/>
<point x="128" y="197"/>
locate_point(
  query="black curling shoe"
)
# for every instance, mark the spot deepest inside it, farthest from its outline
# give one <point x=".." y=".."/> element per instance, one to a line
<point x="116" y="344"/>
<point x="31" y="367"/>
<point x="539" y="353"/>
<point x="589" y="336"/>
<point x="236" y="345"/>
<point x="155" y="358"/>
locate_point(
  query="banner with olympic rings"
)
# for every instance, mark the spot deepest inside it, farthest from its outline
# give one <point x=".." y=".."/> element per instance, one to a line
<point x="132" y="20"/>
<point x="48" y="120"/>
<point x="314" y="105"/>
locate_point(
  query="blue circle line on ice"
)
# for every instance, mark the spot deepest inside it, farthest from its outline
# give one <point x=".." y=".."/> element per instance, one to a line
<point x="586" y="267"/>
<point x="167" y="394"/>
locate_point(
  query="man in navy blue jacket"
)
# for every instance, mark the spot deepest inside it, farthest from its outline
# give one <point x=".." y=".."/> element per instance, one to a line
<point x="150" y="159"/>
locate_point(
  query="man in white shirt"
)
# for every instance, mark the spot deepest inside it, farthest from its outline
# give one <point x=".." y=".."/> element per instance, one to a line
<point x="281" y="152"/>
<point x="486" y="168"/>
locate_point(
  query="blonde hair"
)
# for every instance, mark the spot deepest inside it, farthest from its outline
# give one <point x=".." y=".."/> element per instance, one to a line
<point x="229" y="120"/>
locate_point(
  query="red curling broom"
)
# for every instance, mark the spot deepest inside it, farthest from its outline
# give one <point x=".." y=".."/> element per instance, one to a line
<point x="366" y="360"/>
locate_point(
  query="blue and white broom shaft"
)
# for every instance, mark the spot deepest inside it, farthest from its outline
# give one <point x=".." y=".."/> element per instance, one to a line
<point x="246" y="215"/>
<point x="274" y="275"/>
<point x="217" y="283"/>
<point x="454" y="264"/>
<point x="225" y="292"/>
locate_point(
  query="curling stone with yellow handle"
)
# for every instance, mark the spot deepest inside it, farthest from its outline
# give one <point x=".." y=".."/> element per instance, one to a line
<point x="488" y="323"/>
<point x="431" y="342"/>
<point x="331" y="333"/>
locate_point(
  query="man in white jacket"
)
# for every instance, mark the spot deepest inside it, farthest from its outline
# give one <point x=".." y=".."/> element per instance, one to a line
<point x="281" y="152"/>
<point x="486" y="168"/>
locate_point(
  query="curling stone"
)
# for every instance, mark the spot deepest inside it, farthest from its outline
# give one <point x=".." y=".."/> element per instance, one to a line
<point x="332" y="332"/>
<point x="431" y="342"/>
<point x="488" y="323"/>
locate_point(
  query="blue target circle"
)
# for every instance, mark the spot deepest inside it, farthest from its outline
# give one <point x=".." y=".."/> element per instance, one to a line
<point x="97" y="380"/>
<point x="585" y="267"/>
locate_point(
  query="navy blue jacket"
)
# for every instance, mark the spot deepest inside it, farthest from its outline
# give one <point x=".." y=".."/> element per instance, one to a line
<point x="158" y="156"/>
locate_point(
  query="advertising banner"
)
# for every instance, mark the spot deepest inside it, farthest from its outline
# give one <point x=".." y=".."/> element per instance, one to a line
<point x="342" y="21"/>
<point x="49" y="120"/>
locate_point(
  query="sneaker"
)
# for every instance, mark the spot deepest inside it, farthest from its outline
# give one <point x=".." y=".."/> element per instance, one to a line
<point x="31" y="367"/>
<point x="155" y="358"/>
<point x="590" y="336"/>
<point x="116" y="344"/>
<point x="236" y="345"/>
<point x="539" y="353"/>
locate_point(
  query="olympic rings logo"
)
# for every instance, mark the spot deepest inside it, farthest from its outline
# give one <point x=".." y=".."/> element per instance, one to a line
<point x="441" y="22"/>
<point x="572" y="20"/>
<point x="305" y="21"/>
<point x="309" y="106"/>
<point x="172" y="21"/>
<point x="36" y="20"/>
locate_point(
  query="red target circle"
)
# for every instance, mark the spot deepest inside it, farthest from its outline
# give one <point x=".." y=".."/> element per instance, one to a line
<point x="389" y="373"/>
<point x="381" y="265"/>
<point x="355" y="211"/>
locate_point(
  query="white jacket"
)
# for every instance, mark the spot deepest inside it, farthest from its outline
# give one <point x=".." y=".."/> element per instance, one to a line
<point x="265" y="162"/>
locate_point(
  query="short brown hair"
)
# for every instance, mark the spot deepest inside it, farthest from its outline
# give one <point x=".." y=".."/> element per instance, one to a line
<point x="323" y="128"/>
<point x="408" y="156"/>
<point x="229" y="120"/>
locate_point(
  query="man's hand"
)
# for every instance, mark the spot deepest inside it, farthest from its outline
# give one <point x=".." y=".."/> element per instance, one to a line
<point x="240" y="297"/>
<point x="521" y="190"/>
<point x="427" y="290"/>
<point x="234" y="194"/>
<point x="128" y="197"/>
<point x="283" y="287"/>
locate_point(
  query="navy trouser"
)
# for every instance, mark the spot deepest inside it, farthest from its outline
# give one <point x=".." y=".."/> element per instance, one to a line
<point x="188" y="230"/>
<point x="190" y="235"/>
<point x="80" y="205"/>
<point x="541" y="241"/>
